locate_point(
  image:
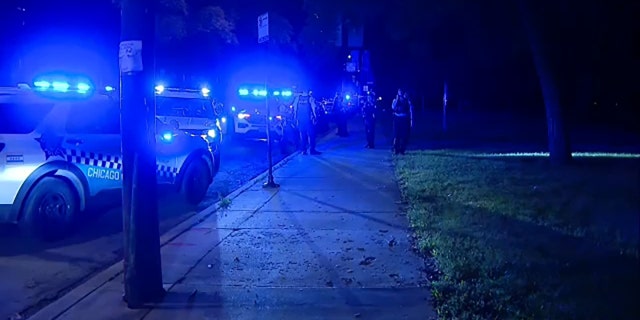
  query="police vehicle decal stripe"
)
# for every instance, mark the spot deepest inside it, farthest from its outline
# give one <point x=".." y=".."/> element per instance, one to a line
<point x="94" y="159"/>
<point x="166" y="171"/>
<point x="111" y="162"/>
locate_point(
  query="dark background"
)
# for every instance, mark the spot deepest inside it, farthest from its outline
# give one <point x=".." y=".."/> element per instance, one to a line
<point x="478" y="48"/>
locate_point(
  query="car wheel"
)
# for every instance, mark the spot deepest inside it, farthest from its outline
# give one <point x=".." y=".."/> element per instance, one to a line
<point x="195" y="181"/>
<point x="51" y="209"/>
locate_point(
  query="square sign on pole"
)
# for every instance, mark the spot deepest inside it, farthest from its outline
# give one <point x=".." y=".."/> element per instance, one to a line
<point x="263" y="27"/>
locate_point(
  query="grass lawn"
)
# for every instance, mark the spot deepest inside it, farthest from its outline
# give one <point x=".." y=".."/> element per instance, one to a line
<point x="515" y="238"/>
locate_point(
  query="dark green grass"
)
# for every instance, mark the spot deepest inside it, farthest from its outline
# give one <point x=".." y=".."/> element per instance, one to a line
<point x="515" y="238"/>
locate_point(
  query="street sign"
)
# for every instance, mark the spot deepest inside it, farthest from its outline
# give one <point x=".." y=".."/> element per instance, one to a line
<point x="130" y="56"/>
<point x="263" y="27"/>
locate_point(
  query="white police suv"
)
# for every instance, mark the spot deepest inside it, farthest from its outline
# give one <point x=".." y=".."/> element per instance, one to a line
<point x="60" y="151"/>
<point x="192" y="111"/>
<point x="248" y="114"/>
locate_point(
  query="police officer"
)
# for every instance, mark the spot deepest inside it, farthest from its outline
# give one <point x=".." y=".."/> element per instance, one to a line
<point x="341" y="114"/>
<point x="369" y="117"/>
<point x="304" y="111"/>
<point x="402" y="121"/>
<point x="289" y="132"/>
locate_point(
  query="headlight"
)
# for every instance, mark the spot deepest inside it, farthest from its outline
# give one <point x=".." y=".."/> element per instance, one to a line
<point x="167" y="136"/>
<point x="212" y="133"/>
<point x="243" y="116"/>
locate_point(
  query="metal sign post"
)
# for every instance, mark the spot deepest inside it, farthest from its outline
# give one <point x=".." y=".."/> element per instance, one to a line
<point x="263" y="36"/>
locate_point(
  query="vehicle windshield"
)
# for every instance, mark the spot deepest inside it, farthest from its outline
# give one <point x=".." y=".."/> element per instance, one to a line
<point x="183" y="107"/>
<point x="22" y="118"/>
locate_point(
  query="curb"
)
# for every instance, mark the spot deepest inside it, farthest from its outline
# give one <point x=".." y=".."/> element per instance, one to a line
<point x="79" y="293"/>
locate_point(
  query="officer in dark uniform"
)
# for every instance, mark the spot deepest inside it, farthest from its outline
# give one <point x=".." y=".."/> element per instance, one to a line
<point x="290" y="134"/>
<point x="369" y="117"/>
<point x="402" y="121"/>
<point x="304" y="110"/>
<point x="341" y="114"/>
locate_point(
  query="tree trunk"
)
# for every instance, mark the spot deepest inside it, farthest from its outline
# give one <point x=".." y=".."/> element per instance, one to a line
<point x="548" y="77"/>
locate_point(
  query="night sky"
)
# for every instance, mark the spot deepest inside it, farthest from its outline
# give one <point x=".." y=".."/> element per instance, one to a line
<point x="481" y="51"/>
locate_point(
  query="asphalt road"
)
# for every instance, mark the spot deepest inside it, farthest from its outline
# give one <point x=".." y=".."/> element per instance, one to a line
<point x="33" y="275"/>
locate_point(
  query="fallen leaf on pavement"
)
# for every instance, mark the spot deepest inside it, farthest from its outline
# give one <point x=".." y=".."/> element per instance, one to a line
<point x="367" y="261"/>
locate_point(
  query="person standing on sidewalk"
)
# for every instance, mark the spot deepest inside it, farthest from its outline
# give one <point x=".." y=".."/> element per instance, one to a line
<point x="402" y="121"/>
<point x="369" y="117"/>
<point x="341" y="114"/>
<point x="290" y="134"/>
<point x="304" y="112"/>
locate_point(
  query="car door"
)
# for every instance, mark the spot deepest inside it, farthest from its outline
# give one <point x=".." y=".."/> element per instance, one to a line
<point x="92" y="141"/>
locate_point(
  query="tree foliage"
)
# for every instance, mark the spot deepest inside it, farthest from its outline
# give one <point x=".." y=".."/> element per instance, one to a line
<point x="180" y="19"/>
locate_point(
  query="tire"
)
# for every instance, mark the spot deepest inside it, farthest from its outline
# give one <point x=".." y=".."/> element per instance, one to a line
<point x="195" y="182"/>
<point x="51" y="210"/>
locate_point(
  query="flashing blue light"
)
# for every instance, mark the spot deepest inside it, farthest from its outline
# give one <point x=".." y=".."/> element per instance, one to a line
<point x="262" y="93"/>
<point x="42" y="84"/>
<point x="159" y="89"/>
<point x="347" y="97"/>
<point x="255" y="92"/>
<point x="109" y="88"/>
<point x="287" y="93"/>
<point x="276" y="93"/>
<point x="83" y="87"/>
<point x="243" y="92"/>
<point x="233" y="109"/>
<point x="205" y="92"/>
<point x="167" y="136"/>
<point x="60" y="86"/>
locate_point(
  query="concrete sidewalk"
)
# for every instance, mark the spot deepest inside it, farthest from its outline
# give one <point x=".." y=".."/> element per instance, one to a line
<point x="331" y="243"/>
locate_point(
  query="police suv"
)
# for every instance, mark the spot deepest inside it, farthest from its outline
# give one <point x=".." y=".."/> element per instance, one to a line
<point x="60" y="151"/>
<point x="248" y="112"/>
<point x="192" y="111"/>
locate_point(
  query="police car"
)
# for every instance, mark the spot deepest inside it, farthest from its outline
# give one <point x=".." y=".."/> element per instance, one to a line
<point x="192" y="111"/>
<point x="248" y="112"/>
<point x="60" y="151"/>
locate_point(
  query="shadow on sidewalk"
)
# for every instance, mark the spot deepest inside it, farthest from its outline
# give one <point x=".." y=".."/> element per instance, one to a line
<point x="352" y="212"/>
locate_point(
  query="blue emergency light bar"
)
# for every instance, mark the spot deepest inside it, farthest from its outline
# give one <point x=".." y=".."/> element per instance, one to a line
<point x="62" y="86"/>
<point x="159" y="89"/>
<point x="263" y="92"/>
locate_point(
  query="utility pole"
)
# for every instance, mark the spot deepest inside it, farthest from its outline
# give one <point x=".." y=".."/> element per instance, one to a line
<point x="142" y="263"/>
<point x="263" y="37"/>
